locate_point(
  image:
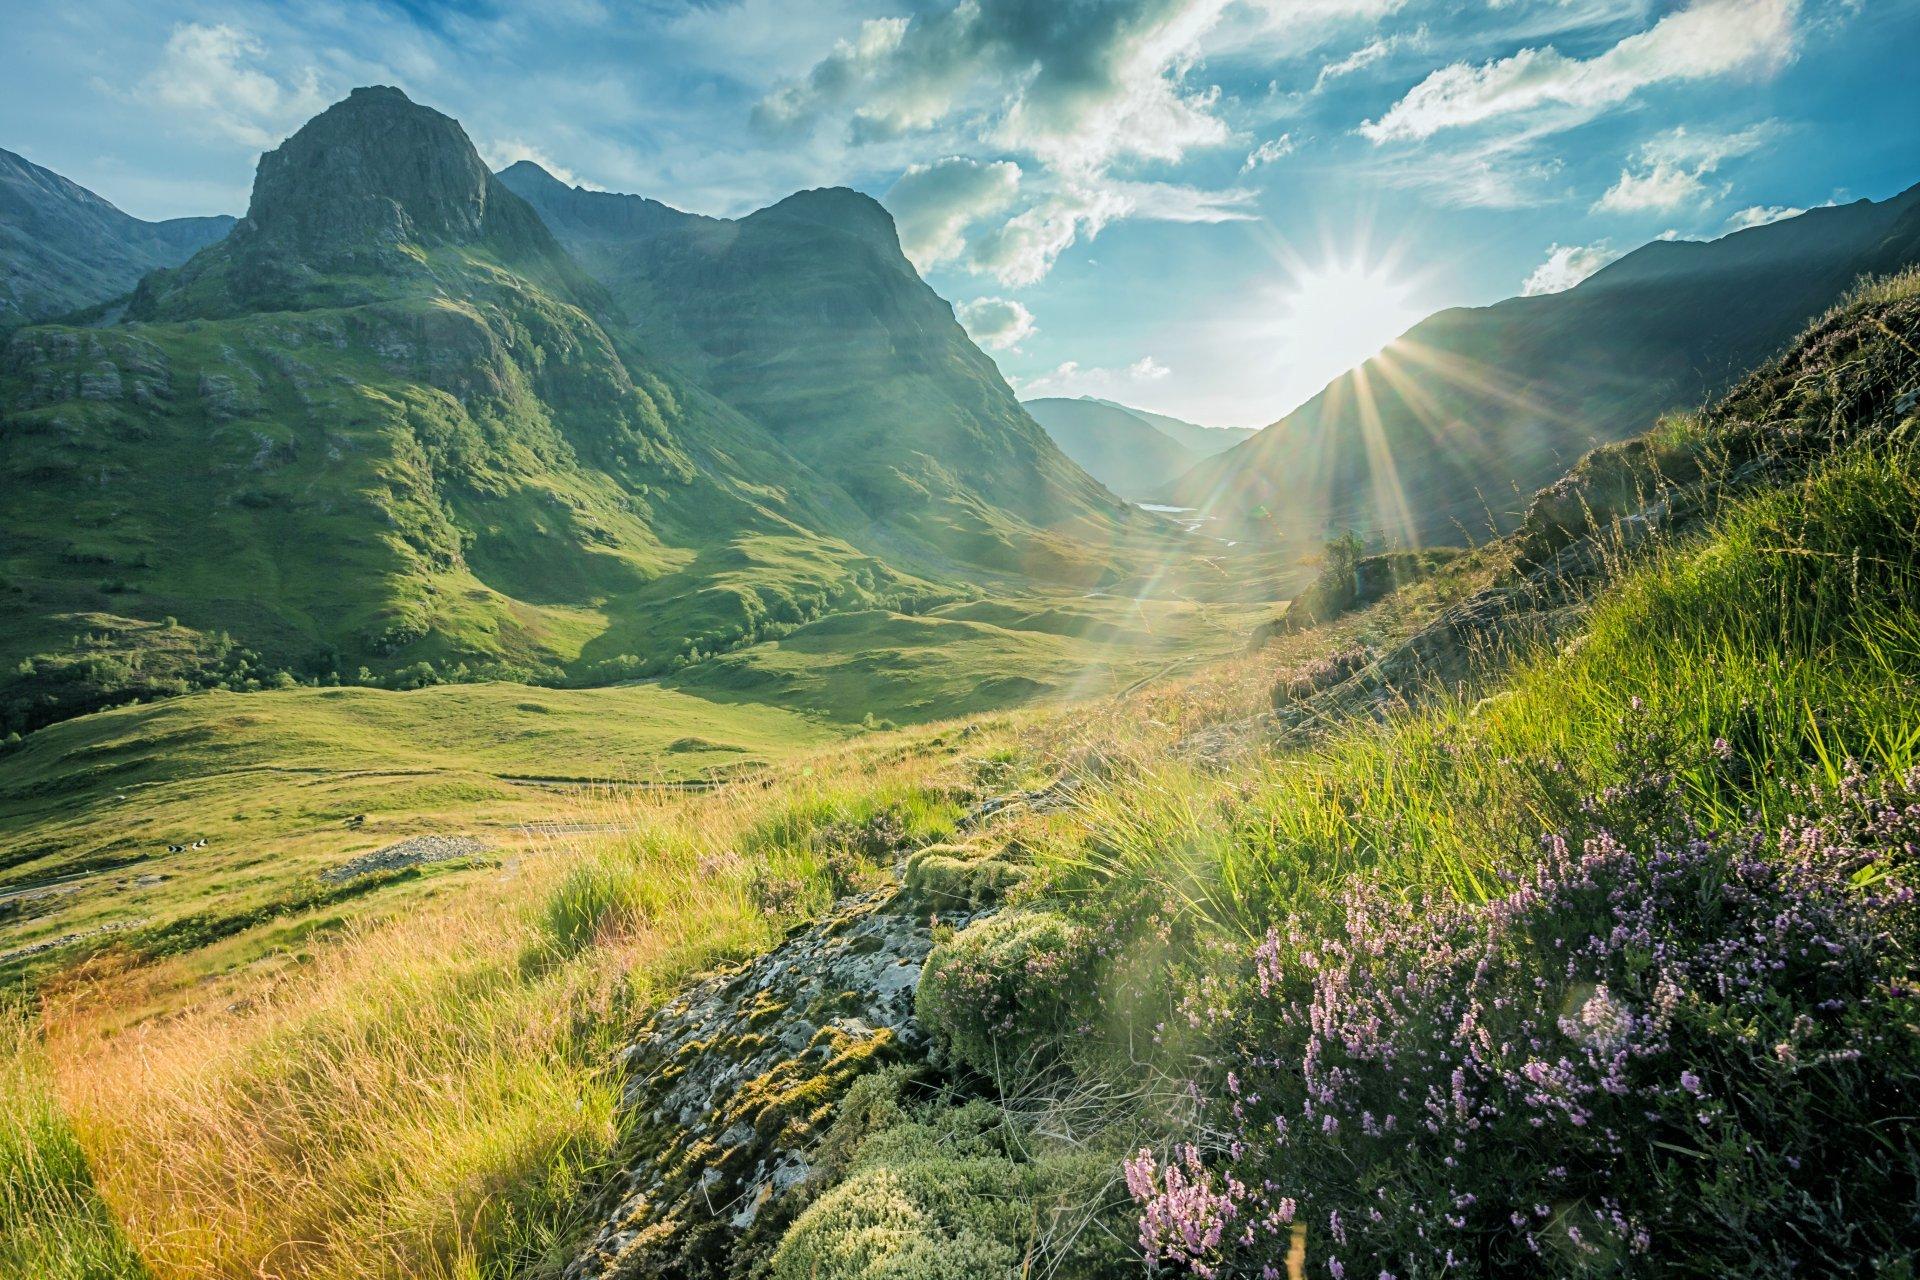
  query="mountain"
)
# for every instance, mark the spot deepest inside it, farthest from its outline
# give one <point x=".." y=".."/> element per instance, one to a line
<point x="387" y="422"/>
<point x="1203" y="441"/>
<point x="63" y="248"/>
<point x="1117" y="447"/>
<point x="807" y="318"/>
<point x="1448" y="428"/>
<point x="1132" y="451"/>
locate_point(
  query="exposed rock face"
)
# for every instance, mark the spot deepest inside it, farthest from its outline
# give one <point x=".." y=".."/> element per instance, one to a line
<point x="733" y="1082"/>
<point x="377" y="167"/>
<point x="342" y="210"/>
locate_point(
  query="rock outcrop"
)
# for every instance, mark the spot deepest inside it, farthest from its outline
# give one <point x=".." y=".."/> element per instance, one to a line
<point x="731" y="1084"/>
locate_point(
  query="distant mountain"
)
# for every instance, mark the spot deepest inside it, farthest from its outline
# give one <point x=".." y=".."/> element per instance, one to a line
<point x="386" y="422"/>
<point x="1132" y="451"/>
<point x="807" y="318"/>
<point x="1116" y="446"/>
<point x="1455" y="424"/>
<point x="63" y="248"/>
<point x="1205" y="442"/>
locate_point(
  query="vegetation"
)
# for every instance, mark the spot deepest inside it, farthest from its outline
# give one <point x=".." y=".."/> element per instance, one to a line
<point x="1595" y="957"/>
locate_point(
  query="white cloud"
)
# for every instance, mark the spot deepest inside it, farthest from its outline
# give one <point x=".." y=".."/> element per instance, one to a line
<point x="1377" y="50"/>
<point x="1072" y="379"/>
<point x="1074" y="89"/>
<point x="1076" y="85"/>
<point x="1675" y="167"/>
<point x="934" y="204"/>
<point x="1760" y="215"/>
<point x="501" y="152"/>
<point x="1707" y="39"/>
<point x="210" y="75"/>
<point x="1566" y="266"/>
<point x="1267" y="152"/>
<point x="1023" y="251"/>
<point x="998" y="324"/>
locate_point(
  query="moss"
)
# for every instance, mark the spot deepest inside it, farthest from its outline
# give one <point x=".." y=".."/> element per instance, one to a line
<point x="1001" y="996"/>
<point x="943" y="1189"/>
<point x="954" y="877"/>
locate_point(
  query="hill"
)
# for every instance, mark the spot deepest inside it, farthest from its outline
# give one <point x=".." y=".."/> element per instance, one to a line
<point x="383" y="424"/>
<point x="63" y="248"/>
<point x="1593" y="853"/>
<point x="807" y="318"/>
<point x="1116" y="446"/>
<point x="1456" y="423"/>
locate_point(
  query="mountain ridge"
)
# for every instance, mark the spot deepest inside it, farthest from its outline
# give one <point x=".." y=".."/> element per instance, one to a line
<point x="64" y="248"/>
<point x="1451" y="426"/>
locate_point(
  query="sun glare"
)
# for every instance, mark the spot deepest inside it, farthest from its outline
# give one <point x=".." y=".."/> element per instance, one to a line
<point x="1339" y="314"/>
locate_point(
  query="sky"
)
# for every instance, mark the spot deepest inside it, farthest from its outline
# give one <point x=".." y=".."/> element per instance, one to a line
<point x="1207" y="208"/>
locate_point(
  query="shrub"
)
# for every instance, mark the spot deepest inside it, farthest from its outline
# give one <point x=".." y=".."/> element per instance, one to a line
<point x="936" y="1189"/>
<point x="1000" y="995"/>
<point x="1691" y="1046"/>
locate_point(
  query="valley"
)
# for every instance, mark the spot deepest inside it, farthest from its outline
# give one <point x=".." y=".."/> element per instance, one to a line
<point x="546" y="736"/>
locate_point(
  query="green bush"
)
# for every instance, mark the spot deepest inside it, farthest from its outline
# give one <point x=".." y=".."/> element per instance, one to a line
<point x="1001" y="996"/>
<point x="946" y="1190"/>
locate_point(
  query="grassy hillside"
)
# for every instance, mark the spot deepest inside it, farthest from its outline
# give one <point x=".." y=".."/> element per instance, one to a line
<point x="808" y="318"/>
<point x="285" y="785"/>
<point x="1287" y="887"/>
<point x="323" y="447"/>
<point x="1117" y="447"/>
<point x="63" y="248"/>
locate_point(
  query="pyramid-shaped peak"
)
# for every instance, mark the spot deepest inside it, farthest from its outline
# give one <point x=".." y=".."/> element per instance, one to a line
<point x="377" y="168"/>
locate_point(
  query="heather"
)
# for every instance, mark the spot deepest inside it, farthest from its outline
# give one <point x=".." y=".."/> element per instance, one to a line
<point x="1659" y="1043"/>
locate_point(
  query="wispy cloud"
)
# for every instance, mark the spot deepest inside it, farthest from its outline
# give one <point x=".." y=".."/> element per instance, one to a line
<point x="1673" y="169"/>
<point x="1566" y="266"/>
<point x="1267" y="152"/>
<point x="998" y="324"/>
<point x="210" y="75"/>
<point x="934" y="204"/>
<point x="1705" y="40"/>
<point x="1761" y="215"/>
<point x="1072" y="379"/>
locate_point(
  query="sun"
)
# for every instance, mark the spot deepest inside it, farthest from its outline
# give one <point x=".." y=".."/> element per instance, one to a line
<point x="1339" y="314"/>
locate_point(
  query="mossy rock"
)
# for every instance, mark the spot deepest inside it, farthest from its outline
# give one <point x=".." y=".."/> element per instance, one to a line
<point x="956" y="877"/>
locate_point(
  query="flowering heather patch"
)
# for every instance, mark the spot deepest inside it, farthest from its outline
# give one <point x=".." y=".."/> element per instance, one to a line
<point x="1676" y="1052"/>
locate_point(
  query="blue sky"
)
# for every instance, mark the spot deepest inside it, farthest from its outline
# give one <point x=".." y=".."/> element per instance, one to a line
<point x="1206" y="207"/>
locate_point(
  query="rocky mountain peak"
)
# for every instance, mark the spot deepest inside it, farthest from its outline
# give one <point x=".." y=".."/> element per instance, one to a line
<point x="839" y="209"/>
<point x="378" y="168"/>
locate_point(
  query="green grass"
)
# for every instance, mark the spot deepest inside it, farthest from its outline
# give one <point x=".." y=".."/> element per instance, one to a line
<point x="284" y="785"/>
<point x="53" y="1224"/>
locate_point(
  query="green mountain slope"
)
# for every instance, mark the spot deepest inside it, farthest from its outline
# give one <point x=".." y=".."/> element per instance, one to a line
<point x="807" y="318"/>
<point x="1457" y="422"/>
<point x="382" y="424"/>
<point x="1117" y="447"/>
<point x="63" y="248"/>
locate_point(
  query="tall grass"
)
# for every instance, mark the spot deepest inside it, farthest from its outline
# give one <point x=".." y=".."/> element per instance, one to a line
<point x="432" y="1097"/>
<point x="1790" y="630"/>
<point x="53" y="1224"/>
